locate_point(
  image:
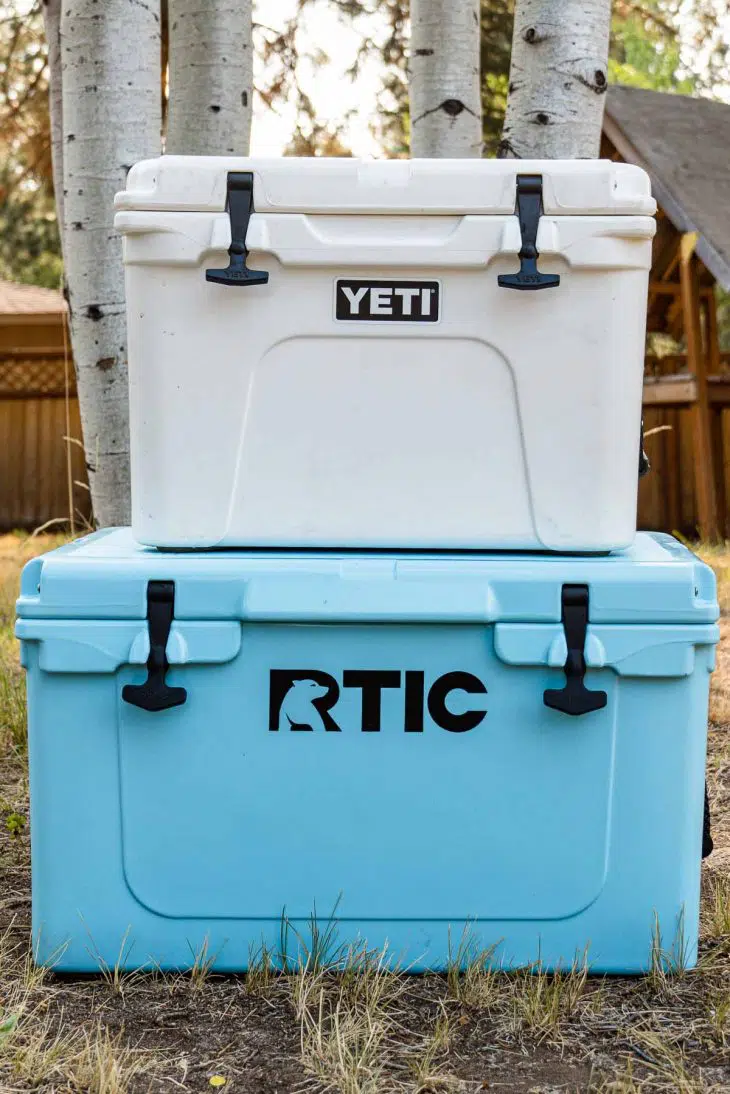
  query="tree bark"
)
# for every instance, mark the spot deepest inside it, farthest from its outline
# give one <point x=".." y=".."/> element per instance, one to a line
<point x="211" y="77"/>
<point x="111" y="116"/>
<point x="445" y="102"/>
<point x="52" y="21"/>
<point x="558" y="79"/>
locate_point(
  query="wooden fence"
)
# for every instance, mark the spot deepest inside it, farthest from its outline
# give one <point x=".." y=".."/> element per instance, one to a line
<point x="668" y="499"/>
<point x="37" y="413"/>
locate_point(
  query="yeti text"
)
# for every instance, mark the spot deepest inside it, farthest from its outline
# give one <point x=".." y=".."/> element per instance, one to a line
<point x="388" y="301"/>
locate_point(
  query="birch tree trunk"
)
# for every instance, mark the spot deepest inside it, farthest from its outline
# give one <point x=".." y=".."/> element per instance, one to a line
<point x="52" y="21"/>
<point x="446" y="114"/>
<point x="111" y="118"/>
<point x="211" y="77"/>
<point x="558" y="79"/>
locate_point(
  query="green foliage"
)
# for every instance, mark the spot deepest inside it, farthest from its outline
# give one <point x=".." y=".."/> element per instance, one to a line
<point x="645" y="48"/>
<point x="30" y="249"/>
<point x="496" y="50"/>
<point x="29" y="242"/>
<point x="15" y="824"/>
<point x="645" y="51"/>
<point x="8" y="1025"/>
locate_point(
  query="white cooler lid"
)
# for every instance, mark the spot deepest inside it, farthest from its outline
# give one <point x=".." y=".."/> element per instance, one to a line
<point x="319" y="185"/>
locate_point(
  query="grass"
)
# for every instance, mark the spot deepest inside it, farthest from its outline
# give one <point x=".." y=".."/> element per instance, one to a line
<point x="262" y="970"/>
<point x="342" y="1044"/>
<point x="43" y="1056"/>
<point x="718" y="903"/>
<point x="348" y="1018"/>
<point x="12" y="712"/>
<point x="203" y="961"/>
<point x="313" y="1015"/>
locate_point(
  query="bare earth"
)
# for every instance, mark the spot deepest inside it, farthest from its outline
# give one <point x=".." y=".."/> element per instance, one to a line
<point x="364" y="1030"/>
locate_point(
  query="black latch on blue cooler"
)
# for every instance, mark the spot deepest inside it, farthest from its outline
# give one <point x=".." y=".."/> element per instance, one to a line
<point x="155" y="694"/>
<point x="529" y="211"/>
<point x="240" y="207"/>
<point x="575" y="698"/>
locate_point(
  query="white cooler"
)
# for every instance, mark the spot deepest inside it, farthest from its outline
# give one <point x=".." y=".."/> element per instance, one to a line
<point x="408" y="353"/>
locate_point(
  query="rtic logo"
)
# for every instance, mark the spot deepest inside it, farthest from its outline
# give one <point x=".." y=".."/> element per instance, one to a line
<point x="301" y="699"/>
<point x="388" y="301"/>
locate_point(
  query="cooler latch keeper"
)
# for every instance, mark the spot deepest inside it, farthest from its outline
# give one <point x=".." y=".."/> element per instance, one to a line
<point x="575" y="698"/>
<point x="529" y="211"/>
<point x="155" y="694"/>
<point x="240" y="207"/>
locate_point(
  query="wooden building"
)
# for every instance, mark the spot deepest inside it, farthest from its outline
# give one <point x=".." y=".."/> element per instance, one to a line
<point x="42" y="474"/>
<point x="684" y="145"/>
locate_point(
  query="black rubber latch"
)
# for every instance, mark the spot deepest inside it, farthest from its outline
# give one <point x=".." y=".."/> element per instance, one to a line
<point x="575" y="698"/>
<point x="707" y="842"/>
<point x="529" y="211"/>
<point x="155" y="694"/>
<point x="644" y="465"/>
<point x="240" y="207"/>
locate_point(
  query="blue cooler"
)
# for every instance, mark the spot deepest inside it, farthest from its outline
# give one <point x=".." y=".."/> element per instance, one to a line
<point x="223" y="743"/>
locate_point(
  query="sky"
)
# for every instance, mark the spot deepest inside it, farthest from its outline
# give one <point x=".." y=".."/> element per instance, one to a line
<point x="687" y="29"/>
<point x="332" y="93"/>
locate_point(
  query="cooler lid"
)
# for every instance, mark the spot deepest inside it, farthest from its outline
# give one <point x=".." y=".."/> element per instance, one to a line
<point x="320" y="185"/>
<point x="105" y="576"/>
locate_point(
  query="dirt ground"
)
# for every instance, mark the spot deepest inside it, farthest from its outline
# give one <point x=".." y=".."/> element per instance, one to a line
<point x="367" y="1030"/>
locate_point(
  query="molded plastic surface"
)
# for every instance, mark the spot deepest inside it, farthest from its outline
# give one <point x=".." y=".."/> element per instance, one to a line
<point x="388" y="186"/>
<point x="292" y="414"/>
<point x="368" y="729"/>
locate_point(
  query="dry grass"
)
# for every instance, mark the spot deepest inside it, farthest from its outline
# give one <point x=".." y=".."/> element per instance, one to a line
<point x="719" y="558"/>
<point x="40" y="1050"/>
<point x="15" y="550"/>
<point x="312" y="1015"/>
<point x="344" y="1040"/>
<point x="42" y="1055"/>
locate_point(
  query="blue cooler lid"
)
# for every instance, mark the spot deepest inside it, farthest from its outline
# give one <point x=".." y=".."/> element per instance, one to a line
<point x="105" y="576"/>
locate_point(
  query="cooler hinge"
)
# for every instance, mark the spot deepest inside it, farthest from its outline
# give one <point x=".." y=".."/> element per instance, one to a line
<point x="240" y="207"/>
<point x="529" y="211"/>
<point x="575" y="698"/>
<point x="155" y="694"/>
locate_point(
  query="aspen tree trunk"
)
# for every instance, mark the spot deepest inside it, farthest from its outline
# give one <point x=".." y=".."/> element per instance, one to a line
<point x="211" y="77"/>
<point x="558" y="79"/>
<point x="52" y="21"/>
<point x="111" y="119"/>
<point x="445" y="101"/>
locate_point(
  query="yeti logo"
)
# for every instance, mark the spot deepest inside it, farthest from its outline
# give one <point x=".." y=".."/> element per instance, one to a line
<point x="301" y="699"/>
<point x="388" y="301"/>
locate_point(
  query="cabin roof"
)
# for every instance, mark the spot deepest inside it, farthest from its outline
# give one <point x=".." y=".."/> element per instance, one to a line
<point x="682" y="142"/>
<point x="31" y="300"/>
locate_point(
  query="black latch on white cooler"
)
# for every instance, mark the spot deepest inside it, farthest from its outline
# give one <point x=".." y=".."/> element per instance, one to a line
<point x="575" y="698"/>
<point x="644" y="465"/>
<point x="155" y="694"/>
<point x="240" y="207"/>
<point x="529" y="211"/>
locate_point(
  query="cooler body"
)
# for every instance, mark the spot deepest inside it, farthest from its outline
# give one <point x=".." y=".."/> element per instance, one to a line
<point x="366" y="737"/>
<point x="383" y="382"/>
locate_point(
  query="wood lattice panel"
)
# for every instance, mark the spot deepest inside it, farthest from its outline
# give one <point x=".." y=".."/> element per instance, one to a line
<point x="30" y="376"/>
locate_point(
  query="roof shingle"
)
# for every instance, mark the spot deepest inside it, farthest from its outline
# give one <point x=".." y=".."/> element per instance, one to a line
<point x="684" y="144"/>
<point x="17" y="299"/>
